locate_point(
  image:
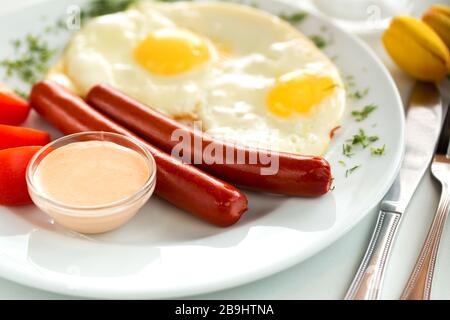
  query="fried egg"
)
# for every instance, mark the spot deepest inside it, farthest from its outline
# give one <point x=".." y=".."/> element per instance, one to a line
<point x="246" y="75"/>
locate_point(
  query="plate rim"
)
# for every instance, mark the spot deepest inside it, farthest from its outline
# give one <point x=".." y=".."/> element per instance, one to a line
<point x="41" y="282"/>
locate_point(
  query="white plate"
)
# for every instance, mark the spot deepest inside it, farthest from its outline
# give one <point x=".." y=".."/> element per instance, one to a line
<point x="164" y="252"/>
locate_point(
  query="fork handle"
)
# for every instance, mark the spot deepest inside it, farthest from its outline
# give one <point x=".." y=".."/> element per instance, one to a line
<point x="420" y="281"/>
<point x="368" y="280"/>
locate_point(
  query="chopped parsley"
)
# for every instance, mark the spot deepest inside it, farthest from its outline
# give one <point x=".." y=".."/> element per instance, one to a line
<point x="347" y="150"/>
<point x="362" y="139"/>
<point x="342" y="163"/>
<point x="97" y="8"/>
<point x="378" y="151"/>
<point x="364" y="113"/>
<point x="358" y="94"/>
<point x="351" y="170"/>
<point x="294" y="18"/>
<point x="33" y="56"/>
<point x="319" y="41"/>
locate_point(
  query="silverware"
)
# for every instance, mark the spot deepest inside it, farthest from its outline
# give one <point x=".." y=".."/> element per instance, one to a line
<point x="423" y="123"/>
<point x="420" y="281"/>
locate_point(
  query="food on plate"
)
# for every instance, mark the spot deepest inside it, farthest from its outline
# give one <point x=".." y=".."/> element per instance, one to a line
<point x="295" y="175"/>
<point x="249" y="76"/>
<point x="13" y="166"/>
<point x="92" y="182"/>
<point x="11" y="137"/>
<point x="183" y="185"/>
<point x="438" y="18"/>
<point x="417" y="49"/>
<point x="13" y="109"/>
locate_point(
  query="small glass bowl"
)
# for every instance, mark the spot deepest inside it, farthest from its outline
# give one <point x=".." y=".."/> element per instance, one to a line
<point x="99" y="218"/>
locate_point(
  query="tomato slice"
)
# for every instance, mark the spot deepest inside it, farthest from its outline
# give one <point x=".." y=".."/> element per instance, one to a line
<point x="13" y="167"/>
<point x="14" y="110"/>
<point x="11" y="137"/>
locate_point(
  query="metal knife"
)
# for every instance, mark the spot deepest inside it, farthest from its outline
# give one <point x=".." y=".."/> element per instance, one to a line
<point x="423" y="124"/>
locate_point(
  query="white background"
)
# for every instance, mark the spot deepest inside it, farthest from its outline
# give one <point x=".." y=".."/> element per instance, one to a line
<point x="328" y="274"/>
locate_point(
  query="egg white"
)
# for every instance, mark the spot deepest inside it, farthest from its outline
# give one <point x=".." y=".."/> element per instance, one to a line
<point x="249" y="48"/>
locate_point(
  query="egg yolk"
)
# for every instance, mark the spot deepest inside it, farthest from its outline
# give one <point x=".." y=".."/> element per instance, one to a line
<point x="169" y="52"/>
<point x="299" y="94"/>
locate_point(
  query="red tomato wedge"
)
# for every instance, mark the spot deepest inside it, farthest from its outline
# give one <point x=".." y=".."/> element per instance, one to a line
<point x="14" y="110"/>
<point x="12" y="137"/>
<point x="13" y="167"/>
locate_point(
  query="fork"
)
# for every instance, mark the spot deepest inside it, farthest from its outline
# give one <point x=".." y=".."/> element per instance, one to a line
<point x="420" y="282"/>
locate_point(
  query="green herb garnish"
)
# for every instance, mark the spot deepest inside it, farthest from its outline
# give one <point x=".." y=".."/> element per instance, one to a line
<point x="33" y="55"/>
<point x="347" y="150"/>
<point x="378" y="151"/>
<point x="351" y="170"/>
<point x="362" y="139"/>
<point x="342" y="163"/>
<point x="97" y="8"/>
<point x="364" y="113"/>
<point x="332" y="186"/>
<point x="358" y="94"/>
<point x="319" y="41"/>
<point x="294" y="18"/>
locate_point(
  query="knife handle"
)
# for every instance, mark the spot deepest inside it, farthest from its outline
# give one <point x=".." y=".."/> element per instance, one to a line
<point x="368" y="280"/>
<point x="421" y="279"/>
